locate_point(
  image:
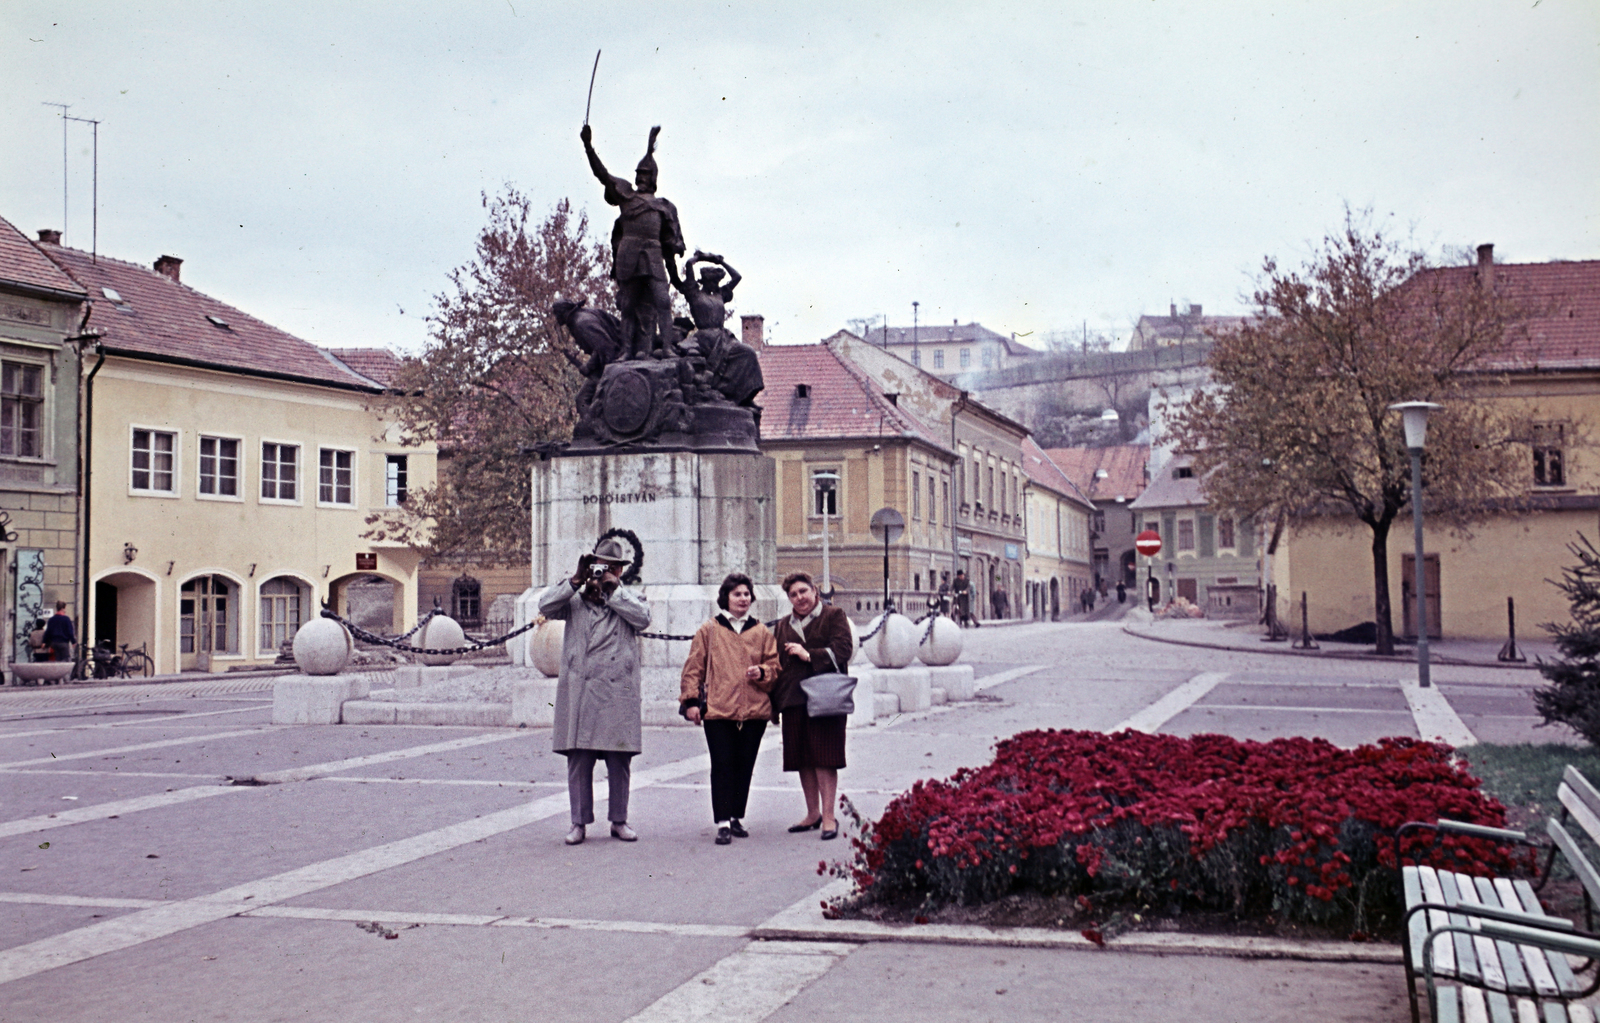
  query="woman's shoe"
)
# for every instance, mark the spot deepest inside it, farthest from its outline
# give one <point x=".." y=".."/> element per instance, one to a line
<point x="795" y="829"/>
<point x="736" y="829"/>
<point x="831" y="834"/>
<point x="724" y="836"/>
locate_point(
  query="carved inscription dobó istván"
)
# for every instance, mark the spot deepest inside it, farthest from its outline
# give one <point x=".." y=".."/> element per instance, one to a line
<point x="636" y="498"/>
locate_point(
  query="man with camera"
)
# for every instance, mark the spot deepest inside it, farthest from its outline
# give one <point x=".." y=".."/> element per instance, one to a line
<point x="598" y="694"/>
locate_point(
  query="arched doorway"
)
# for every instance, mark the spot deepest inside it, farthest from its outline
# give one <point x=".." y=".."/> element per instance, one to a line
<point x="285" y="602"/>
<point x="208" y="621"/>
<point x="124" y="611"/>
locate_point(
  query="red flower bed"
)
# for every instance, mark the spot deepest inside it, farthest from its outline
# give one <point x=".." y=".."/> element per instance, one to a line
<point x="1295" y="827"/>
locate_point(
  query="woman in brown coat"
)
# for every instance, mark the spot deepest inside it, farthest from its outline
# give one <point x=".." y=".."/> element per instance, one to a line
<point x="732" y="665"/>
<point x="813" y="640"/>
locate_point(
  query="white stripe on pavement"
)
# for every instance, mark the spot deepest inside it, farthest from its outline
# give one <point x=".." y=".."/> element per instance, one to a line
<point x="340" y="766"/>
<point x="1436" y="720"/>
<point x="749" y="985"/>
<point x="1174" y="703"/>
<point x="170" y="918"/>
<point x="160" y="744"/>
<point x="1001" y="677"/>
<point x="498" y="920"/>
<point x="31" y="898"/>
<point x="117" y="808"/>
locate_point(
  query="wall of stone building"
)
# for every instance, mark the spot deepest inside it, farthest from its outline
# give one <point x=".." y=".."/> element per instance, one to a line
<point x="437" y="580"/>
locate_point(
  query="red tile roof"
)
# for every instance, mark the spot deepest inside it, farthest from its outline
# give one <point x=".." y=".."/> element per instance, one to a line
<point x="376" y="364"/>
<point x="1043" y="470"/>
<point x="1564" y="297"/>
<point x="841" y="400"/>
<point x="21" y="263"/>
<point x="1123" y="464"/>
<point x="161" y="319"/>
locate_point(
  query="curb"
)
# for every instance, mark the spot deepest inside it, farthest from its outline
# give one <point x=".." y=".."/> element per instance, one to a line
<point x="391" y="712"/>
<point x="1280" y="651"/>
<point x="804" y="922"/>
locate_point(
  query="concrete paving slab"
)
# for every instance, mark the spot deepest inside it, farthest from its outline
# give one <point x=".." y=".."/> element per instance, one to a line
<point x="272" y="970"/>
<point x="25" y="922"/>
<point x="1346" y="730"/>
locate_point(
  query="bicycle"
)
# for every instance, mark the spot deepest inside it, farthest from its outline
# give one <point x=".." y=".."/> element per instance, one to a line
<point x="101" y="663"/>
<point x="137" y="662"/>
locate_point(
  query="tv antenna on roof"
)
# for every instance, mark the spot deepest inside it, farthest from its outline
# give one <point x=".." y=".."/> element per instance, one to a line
<point x="94" y="250"/>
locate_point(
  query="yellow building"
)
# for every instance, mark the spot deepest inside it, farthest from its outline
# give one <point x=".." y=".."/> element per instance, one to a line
<point x="1057" y="568"/>
<point x="231" y="467"/>
<point x="1549" y="372"/>
<point x="845" y="449"/>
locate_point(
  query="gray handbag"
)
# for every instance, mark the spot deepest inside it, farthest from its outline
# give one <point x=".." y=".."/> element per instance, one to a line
<point x="830" y="694"/>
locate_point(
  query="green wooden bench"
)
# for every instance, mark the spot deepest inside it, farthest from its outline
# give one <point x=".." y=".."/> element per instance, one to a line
<point x="1483" y="947"/>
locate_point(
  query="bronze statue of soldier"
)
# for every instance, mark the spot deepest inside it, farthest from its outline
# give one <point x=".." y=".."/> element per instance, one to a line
<point x="645" y="238"/>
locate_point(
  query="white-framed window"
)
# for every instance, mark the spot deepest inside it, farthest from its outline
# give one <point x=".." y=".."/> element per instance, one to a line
<point x="280" y="472"/>
<point x="988" y="356"/>
<point x="825" y="492"/>
<point x="219" y="467"/>
<point x="916" y="357"/>
<point x="1225" y="537"/>
<point x="1186" y="534"/>
<point x="966" y="358"/>
<point x="282" y="612"/>
<point x="22" y="410"/>
<point x="336" y="473"/>
<point x="938" y="358"/>
<point x="394" y="480"/>
<point x="153" y="466"/>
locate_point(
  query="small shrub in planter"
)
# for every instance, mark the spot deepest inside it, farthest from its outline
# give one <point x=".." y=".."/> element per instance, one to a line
<point x="1296" y="828"/>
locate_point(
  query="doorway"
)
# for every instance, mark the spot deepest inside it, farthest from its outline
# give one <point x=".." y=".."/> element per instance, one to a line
<point x="1408" y="594"/>
<point x="207" y="622"/>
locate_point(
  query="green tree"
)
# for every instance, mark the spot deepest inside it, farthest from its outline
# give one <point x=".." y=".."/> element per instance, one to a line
<point x="1574" y="697"/>
<point x="1296" y="421"/>
<point x="497" y="375"/>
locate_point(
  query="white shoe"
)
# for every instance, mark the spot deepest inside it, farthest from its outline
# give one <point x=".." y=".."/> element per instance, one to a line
<point x="623" y="832"/>
<point x="575" y="836"/>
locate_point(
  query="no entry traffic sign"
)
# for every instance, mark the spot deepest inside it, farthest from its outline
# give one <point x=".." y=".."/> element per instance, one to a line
<point x="1148" y="543"/>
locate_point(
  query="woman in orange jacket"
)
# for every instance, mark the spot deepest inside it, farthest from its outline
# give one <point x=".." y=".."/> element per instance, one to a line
<point x="733" y="662"/>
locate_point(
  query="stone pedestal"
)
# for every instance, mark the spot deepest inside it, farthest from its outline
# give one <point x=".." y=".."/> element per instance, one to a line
<point x="955" y="679"/>
<point x="911" y="685"/>
<point x="698" y="515"/>
<point x="533" y="702"/>
<point x="315" y="700"/>
<point x="410" y="676"/>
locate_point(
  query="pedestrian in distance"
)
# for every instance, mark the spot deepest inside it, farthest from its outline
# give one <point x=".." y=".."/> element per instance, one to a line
<point x="597" y="714"/>
<point x="732" y="666"/>
<point x="813" y="639"/>
<point x="1122" y="592"/>
<point x="962" y="589"/>
<point x="60" y="634"/>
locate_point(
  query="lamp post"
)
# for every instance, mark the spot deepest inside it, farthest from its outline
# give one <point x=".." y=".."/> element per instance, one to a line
<point x="1415" y="417"/>
<point x="825" y="482"/>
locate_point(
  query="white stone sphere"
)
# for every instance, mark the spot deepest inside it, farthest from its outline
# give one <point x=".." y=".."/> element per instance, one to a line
<point x="943" y="645"/>
<point x="895" y="645"/>
<point x="441" y="633"/>
<point x="322" y="647"/>
<point x="856" y="653"/>
<point x="544" y="647"/>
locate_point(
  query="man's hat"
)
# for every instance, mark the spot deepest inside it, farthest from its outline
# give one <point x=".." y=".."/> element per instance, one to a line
<point x="649" y="161"/>
<point x="611" y="549"/>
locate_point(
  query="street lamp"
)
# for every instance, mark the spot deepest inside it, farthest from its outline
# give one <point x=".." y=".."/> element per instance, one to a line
<point x="1415" y="416"/>
<point x="825" y="482"/>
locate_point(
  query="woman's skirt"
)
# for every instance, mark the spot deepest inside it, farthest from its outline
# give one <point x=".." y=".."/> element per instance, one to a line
<point x="810" y="743"/>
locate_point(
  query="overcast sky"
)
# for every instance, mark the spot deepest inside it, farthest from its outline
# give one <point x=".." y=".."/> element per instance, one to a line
<point x="1027" y="166"/>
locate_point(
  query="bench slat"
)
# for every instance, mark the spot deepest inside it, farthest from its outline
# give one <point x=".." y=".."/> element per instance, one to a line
<point x="1419" y="925"/>
<point x="1485" y="947"/>
<point x="1446" y="1005"/>
<point x="1510" y="959"/>
<point x="1521" y="893"/>
<point x="1581" y="788"/>
<point x="1527" y="1011"/>
<point x="1444" y="953"/>
<point x="1499" y="1008"/>
<point x="1575" y="858"/>
<point x="1467" y="965"/>
<point x="1580" y="1013"/>
<point x="1473" y="1009"/>
<point x="1565" y="981"/>
<point x="1555" y="1012"/>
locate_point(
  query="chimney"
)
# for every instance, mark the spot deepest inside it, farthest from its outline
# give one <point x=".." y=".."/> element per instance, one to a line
<point x="50" y="235"/>
<point x="1174" y="308"/>
<point x="754" y="330"/>
<point x="168" y="266"/>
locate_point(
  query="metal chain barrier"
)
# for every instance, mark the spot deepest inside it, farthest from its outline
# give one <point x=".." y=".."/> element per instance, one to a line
<point x="398" y="642"/>
<point x="663" y="635"/>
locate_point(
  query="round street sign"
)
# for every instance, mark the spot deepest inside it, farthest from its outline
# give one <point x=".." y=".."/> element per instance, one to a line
<point x="887" y="525"/>
<point x="1148" y="543"/>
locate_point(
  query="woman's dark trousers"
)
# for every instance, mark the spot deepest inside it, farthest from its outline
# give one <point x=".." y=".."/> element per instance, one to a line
<point x="734" y="746"/>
